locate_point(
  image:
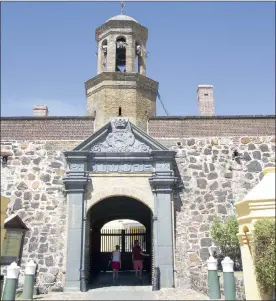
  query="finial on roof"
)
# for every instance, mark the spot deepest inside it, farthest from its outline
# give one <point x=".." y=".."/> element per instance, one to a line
<point x="122" y="7"/>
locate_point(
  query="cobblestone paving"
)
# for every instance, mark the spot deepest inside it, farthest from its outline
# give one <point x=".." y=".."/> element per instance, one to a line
<point x="178" y="294"/>
<point x="103" y="290"/>
<point x="127" y="293"/>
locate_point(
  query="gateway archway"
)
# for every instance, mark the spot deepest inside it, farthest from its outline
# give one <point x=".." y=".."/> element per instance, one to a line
<point x="99" y="242"/>
<point x="141" y="173"/>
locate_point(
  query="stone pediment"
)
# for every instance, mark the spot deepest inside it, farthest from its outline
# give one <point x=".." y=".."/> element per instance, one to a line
<point x="120" y="136"/>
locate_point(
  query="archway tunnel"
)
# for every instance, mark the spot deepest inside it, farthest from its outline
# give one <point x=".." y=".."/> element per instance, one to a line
<point x="102" y="242"/>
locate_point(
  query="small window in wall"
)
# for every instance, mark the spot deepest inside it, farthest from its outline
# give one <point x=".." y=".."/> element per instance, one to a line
<point x="206" y="94"/>
<point x="120" y="111"/>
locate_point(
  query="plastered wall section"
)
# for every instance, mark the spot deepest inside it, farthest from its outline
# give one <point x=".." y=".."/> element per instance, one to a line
<point x="131" y="185"/>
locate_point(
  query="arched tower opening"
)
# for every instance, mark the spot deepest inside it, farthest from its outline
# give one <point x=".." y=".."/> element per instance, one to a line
<point x="101" y="240"/>
<point x="104" y="55"/>
<point x="121" y="54"/>
<point x="138" y="56"/>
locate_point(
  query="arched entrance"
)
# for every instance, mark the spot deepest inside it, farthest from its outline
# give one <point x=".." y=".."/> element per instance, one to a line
<point x="99" y="242"/>
<point x="140" y="172"/>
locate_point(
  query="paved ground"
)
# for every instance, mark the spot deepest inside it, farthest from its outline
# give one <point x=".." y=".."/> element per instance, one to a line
<point x="123" y="293"/>
<point x="126" y="290"/>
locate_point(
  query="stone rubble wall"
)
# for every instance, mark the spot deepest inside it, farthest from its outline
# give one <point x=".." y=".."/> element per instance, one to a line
<point x="212" y="182"/>
<point x="32" y="179"/>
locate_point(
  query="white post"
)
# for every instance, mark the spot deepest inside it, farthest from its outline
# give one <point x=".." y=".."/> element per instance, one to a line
<point x="13" y="271"/>
<point x="229" y="278"/>
<point x="212" y="264"/>
<point x="227" y="265"/>
<point x="11" y="282"/>
<point x="30" y="268"/>
<point x="213" y="279"/>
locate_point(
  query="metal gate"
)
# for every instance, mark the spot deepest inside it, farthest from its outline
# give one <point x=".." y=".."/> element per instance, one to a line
<point x="125" y="239"/>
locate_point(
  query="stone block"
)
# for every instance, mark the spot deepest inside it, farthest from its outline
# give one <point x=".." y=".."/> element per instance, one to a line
<point x="254" y="166"/>
<point x="193" y="260"/>
<point x="245" y="140"/>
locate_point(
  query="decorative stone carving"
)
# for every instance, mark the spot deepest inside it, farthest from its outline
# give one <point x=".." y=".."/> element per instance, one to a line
<point x="121" y="139"/>
<point x="163" y="166"/>
<point x="76" y="167"/>
<point x="121" y="167"/>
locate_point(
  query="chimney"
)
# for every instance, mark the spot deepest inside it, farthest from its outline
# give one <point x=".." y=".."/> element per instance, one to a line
<point x="205" y="100"/>
<point x="40" y="111"/>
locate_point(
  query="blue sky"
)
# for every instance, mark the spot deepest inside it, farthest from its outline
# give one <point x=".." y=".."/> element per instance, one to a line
<point x="48" y="51"/>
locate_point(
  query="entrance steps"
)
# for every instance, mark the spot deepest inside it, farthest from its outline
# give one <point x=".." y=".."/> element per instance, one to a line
<point x="104" y="289"/>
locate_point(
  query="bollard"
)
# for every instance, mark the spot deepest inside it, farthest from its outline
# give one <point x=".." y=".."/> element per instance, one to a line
<point x="229" y="279"/>
<point x="213" y="279"/>
<point x="11" y="282"/>
<point x="28" y="289"/>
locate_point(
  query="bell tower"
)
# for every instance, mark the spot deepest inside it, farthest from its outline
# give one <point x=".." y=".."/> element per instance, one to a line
<point x="121" y="87"/>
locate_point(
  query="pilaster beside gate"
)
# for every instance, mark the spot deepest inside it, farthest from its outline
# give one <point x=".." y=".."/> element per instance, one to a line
<point x="75" y="183"/>
<point x="162" y="183"/>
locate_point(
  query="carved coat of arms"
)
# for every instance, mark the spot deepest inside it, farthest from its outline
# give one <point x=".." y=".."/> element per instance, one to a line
<point x="121" y="139"/>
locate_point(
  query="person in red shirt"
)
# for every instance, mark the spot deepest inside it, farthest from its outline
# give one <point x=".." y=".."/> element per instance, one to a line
<point x="137" y="259"/>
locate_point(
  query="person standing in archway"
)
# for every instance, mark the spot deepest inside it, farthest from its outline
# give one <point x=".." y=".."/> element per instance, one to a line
<point x="116" y="263"/>
<point x="137" y="259"/>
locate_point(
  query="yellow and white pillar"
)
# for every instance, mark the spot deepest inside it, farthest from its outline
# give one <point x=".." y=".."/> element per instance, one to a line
<point x="257" y="204"/>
